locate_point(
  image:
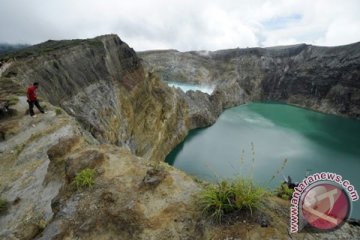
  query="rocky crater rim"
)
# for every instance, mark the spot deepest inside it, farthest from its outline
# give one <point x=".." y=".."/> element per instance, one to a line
<point x="276" y="48"/>
<point x="325" y="79"/>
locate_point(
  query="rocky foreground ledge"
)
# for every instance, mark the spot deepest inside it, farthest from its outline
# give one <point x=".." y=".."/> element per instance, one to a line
<point x="105" y="112"/>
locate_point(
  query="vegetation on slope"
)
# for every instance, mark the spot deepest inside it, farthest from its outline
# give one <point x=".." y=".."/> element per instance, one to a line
<point x="3" y="205"/>
<point x="284" y="192"/>
<point x="85" y="178"/>
<point x="5" y="47"/>
<point x="46" y="47"/>
<point x="229" y="196"/>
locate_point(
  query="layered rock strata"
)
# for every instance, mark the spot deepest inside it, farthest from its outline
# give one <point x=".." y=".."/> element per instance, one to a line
<point x="102" y="83"/>
<point x="326" y="79"/>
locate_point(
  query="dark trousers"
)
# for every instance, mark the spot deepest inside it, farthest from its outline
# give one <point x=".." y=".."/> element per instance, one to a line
<point x="31" y="107"/>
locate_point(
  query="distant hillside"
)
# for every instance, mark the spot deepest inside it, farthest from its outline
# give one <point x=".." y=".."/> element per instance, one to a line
<point x="44" y="48"/>
<point x="325" y="79"/>
<point x="5" y="47"/>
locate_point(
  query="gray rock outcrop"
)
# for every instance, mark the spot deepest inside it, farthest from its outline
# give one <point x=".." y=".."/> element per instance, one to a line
<point x="102" y="83"/>
<point x="326" y="79"/>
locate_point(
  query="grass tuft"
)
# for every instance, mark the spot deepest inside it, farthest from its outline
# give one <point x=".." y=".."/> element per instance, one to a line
<point x="13" y="100"/>
<point x="247" y="195"/>
<point x="229" y="196"/>
<point x="3" y="205"/>
<point x="284" y="192"/>
<point x="58" y="111"/>
<point x="85" y="178"/>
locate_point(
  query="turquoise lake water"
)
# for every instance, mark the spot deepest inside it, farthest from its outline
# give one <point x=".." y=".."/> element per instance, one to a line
<point x="254" y="139"/>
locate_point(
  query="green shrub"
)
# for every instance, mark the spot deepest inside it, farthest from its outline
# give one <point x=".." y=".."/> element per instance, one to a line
<point x="13" y="100"/>
<point x="3" y="205"/>
<point x="58" y="111"/>
<point x="284" y="191"/>
<point x="85" y="178"/>
<point x="225" y="197"/>
<point x="247" y="195"/>
<point x="216" y="199"/>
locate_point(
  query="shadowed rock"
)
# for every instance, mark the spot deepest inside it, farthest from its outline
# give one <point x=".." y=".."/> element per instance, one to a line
<point x="321" y="78"/>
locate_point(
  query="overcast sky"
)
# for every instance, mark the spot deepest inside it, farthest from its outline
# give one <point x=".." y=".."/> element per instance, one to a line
<point x="184" y="24"/>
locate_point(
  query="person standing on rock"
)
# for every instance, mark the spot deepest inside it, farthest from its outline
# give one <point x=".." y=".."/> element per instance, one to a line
<point x="32" y="100"/>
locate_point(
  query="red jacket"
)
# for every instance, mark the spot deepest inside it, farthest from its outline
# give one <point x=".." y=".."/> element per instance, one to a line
<point x="31" y="94"/>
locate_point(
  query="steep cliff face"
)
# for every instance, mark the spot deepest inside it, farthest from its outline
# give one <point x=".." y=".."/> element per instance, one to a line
<point x="103" y="84"/>
<point x="321" y="78"/>
<point x="132" y="198"/>
<point x="173" y="65"/>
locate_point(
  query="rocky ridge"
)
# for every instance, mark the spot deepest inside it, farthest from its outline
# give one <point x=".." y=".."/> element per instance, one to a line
<point x="39" y="161"/>
<point x="325" y="79"/>
<point x="102" y="83"/>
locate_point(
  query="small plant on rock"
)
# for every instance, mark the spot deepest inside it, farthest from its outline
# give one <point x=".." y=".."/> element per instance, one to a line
<point x="85" y="178"/>
<point x="284" y="191"/>
<point x="247" y="195"/>
<point x="3" y="205"/>
<point x="58" y="111"/>
<point x="13" y="100"/>
<point x="216" y="199"/>
<point x="229" y="196"/>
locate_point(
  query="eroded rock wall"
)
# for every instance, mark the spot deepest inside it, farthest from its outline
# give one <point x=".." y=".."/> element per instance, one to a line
<point x="132" y="197"/>
<point x="102" y="83"/>
<point x="320" y="78"/>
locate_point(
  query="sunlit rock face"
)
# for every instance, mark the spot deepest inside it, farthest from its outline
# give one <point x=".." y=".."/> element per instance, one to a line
<point x="322" y="78"/>
<point x="39" y="160"/>
<point x="102" y="83"/>
<point x="103" y="112"/>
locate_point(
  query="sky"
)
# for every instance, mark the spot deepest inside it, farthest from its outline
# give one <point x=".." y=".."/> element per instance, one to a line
<point x="184" y="24"/>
